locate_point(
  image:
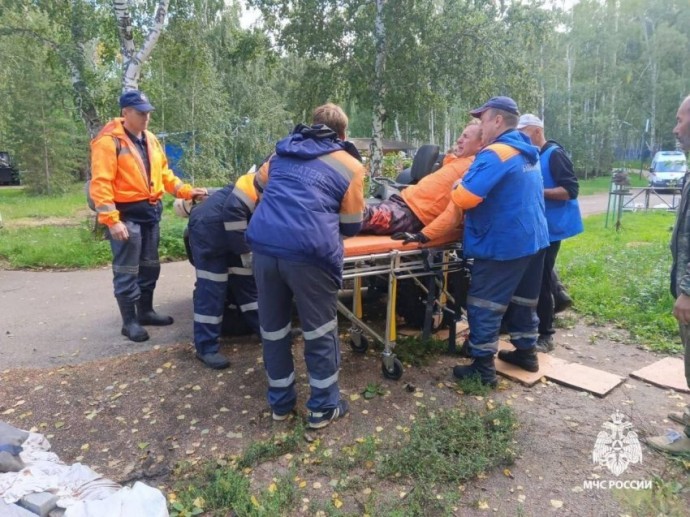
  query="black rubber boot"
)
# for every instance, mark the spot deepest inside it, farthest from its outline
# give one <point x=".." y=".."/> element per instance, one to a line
<point x="130" y="326"/>
<point x="465" y="349"/>
<point x="146" y="314"/>
<point x="482" y="366"/>
<point x="561" y="300"/>
<point x="525" y="359"/>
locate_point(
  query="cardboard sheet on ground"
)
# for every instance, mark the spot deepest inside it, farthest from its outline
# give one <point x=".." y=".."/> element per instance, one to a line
<point x="669" y="372"/>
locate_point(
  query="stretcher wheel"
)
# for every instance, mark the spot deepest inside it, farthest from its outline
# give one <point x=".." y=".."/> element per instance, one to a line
<point x="395" y="373"/>
<point x="359" y="343"/>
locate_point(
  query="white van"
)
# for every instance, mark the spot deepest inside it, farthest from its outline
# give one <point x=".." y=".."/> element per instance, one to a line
<point x="668" y="170"/>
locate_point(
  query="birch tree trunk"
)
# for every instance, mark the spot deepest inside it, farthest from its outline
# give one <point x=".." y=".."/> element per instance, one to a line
<point x="570" y="65"/>
<point x="376" y="166"/>
<point x="398" y="135"/>
<point x="133" y="58"/>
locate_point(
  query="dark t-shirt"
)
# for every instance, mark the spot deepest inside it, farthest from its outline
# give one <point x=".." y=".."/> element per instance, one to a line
<point x="143" y="150"/>
<point x="562" y="169"/>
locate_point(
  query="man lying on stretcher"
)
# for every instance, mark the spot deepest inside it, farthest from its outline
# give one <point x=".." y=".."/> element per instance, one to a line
<point x="424" y="211"/>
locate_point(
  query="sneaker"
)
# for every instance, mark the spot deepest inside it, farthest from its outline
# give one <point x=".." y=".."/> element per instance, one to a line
<point x="216" y="360"/>
<point x="319" y="420"/>
<point x="545" y="344"/>
<point x="281" y="417"/>
<point x="673" y="445"/>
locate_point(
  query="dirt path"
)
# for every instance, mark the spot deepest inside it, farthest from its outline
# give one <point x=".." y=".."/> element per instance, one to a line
<point x="138" y="416"/>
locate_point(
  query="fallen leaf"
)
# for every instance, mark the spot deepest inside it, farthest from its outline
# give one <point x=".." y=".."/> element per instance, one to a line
<point x="354" y="396"/>
<point x="143" y="445"/>
<point x="508" y="473"/>
<point x="483" y="505"/>
<point x="272" y="487"/>
<point x="556" y="503"/>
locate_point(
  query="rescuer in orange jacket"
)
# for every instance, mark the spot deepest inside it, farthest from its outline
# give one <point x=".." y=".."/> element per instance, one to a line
<point x="425" y="211"/>
<point x="129" y="176"/>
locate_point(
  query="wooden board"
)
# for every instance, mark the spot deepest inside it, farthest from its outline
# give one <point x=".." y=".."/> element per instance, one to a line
<point x="573" y="375"/>
<point x="666" y="373"/>
<point x="581" y="377"/>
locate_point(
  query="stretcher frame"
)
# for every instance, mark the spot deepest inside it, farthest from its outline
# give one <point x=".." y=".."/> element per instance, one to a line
<point x="418" y="264"/>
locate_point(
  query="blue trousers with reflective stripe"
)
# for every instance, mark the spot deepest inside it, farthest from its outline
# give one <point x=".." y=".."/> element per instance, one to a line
<point x="136" y="266"/>
<point x="315" y="293"/>
<point x="212" y="284"/>
<point x="496" y="285"/>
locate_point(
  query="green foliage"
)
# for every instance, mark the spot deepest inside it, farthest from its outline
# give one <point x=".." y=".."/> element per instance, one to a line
<point x="259" y="452"/>
<point x="372" y="390"/>
<point x="225" y="488"/>
<point x="665" y="498"/>
<point x="417" y="351"/>
<point x="33" y="238"/>
<point x="453" y="445"/>
<point x="473" y="385"/>
<point x="623" y="277"/>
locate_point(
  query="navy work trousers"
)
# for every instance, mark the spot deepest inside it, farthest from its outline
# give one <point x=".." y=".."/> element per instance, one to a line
<point x="136" y="266"/>
<point x="315" y="292"/>
<point x="496" y="285"/>
<point x="214" y="276"/>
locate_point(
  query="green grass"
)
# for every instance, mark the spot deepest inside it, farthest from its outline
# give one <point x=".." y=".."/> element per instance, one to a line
<point x="439" y="450"/>
<point x="64" y="246"/>
<point x="623" y="277"/>
<point x="454" y="445"/>
<point x="18" y="204"/>
<point x="602" y="184"/>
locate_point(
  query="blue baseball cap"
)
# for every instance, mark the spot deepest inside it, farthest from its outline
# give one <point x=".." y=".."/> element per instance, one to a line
<point x="137" y="100"/>
<point x="501" y="103"/>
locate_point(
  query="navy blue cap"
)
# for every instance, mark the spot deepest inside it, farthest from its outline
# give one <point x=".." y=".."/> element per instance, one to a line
<point x="137" y="100"/>
<point x="500" y="103"/>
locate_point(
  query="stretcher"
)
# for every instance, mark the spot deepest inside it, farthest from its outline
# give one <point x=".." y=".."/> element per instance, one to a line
<point x="373" y="255"/>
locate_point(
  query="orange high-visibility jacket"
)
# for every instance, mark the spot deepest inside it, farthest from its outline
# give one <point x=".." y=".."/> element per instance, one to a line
<point x="430" y="198"/>
<point x="120" y="177"/>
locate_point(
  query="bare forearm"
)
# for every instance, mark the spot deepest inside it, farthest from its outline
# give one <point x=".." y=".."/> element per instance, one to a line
<point x="557" y="194"/>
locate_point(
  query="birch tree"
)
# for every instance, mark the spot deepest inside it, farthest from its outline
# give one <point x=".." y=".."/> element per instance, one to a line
<point x="134" y="58"/>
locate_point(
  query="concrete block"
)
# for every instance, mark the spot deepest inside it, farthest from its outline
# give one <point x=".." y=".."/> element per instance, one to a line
<point x="39" y="503"/>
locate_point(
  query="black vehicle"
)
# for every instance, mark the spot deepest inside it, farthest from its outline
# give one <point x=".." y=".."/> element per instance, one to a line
<point x="8" y="174"/>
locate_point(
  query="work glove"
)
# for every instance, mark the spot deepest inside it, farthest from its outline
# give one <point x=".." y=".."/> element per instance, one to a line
<point x="246" y="260"/>
<point x="408" y="238"/>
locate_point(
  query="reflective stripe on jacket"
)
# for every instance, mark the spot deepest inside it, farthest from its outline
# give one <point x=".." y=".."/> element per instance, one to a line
<point x="121" y="177"/>
<point x="312" y="194"/>
<point x="563" y="217"/>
